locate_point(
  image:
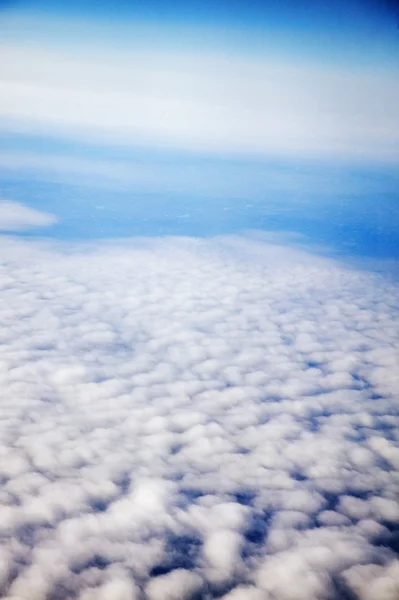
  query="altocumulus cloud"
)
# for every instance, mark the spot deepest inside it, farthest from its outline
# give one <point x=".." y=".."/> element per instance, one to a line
<point x="189" y="419"/>
<point x="18" y="217"/>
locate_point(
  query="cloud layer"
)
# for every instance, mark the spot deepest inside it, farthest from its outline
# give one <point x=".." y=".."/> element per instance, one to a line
<point x="185" y="419"/>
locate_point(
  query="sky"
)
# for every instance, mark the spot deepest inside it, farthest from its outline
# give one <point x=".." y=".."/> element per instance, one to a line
<point x="199" y="293"/>
<point x="187" y="118"/>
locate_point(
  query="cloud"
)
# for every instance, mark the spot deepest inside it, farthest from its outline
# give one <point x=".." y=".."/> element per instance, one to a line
<point x="374" y="581"/>
<point x="186" y="418"/>
<point x="202" y="103"/>
<point x="18" y="217"/>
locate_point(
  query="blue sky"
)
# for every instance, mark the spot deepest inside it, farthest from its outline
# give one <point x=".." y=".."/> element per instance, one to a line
<point x="339" y="16"/>
<point x="362" y="31"/>
<point x="313" y="68"/>
<point x="227" y="116"/>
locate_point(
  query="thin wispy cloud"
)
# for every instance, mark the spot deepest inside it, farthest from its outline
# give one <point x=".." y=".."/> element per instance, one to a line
<point x="203" y="102"/>
<point x="18" y="217"/>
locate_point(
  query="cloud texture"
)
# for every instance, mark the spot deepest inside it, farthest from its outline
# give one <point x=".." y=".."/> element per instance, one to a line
<point x="186" y="419"/>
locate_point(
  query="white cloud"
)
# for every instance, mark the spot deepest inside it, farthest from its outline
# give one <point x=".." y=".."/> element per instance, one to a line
<point x="18" y="217"/>
<point x="202" y="102"/>
<point x="177" y="585"/>
<point x="184" y="418"/>
<point x="374" y="581"/>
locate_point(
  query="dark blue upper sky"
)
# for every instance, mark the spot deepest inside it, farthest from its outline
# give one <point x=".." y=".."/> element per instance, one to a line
<point x="362" y="26"/>
<point x="350" y="13"/>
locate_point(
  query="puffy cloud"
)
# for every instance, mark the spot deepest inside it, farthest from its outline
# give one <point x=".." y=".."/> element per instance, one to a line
<point x="288" y="576"/>
<point x="374" y="581"/>
<point x="183" y="418"/>
<point x="18" y="217"/>
<point x="246" y="592"/>
<point x="177" y="585"/>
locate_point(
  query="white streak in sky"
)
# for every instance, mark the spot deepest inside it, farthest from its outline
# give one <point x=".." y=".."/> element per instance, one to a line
<point x="203" y="102"/>
<point x="18" y="217"/>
